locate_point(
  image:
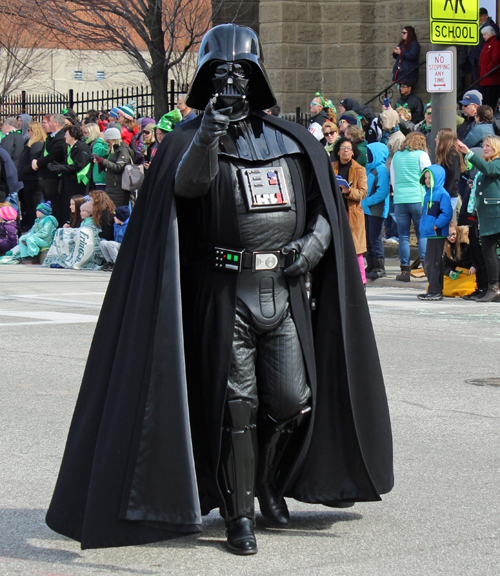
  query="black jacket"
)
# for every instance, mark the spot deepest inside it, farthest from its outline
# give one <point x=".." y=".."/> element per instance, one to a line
<point x="464" y="261"/>
<point x="56" y="149"/>
<point x="115" y="164"/>
<point x="9" y="182"/>
<point x="29" y="154"/>
<point x="141" y="459"/>
<point x="465" y="127"/>
<point x="415" y="106"/>
<point x="13" y="144"/>
<point x="81" y="157"/>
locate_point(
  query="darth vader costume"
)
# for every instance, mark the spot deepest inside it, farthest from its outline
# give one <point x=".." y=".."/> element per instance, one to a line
<point x="214" y="373"/>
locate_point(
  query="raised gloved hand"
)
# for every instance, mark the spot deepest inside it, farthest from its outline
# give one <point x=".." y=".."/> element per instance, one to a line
<point x="213" y="124"/>
<point x="310" y="248"/>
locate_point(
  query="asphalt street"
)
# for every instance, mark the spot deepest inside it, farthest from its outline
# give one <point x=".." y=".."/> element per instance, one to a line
<point x="442" y="518"/>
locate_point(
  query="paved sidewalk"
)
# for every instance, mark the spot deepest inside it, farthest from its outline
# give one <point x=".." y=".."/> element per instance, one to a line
<point x="392" y="268"/>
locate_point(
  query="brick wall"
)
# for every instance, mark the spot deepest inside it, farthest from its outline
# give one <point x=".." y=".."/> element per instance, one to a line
<point x="342" y="48"/>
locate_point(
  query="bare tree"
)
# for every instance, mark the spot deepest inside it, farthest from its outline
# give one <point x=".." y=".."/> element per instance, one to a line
<point x="18" y="61"/>
<point x="156" y="34"/>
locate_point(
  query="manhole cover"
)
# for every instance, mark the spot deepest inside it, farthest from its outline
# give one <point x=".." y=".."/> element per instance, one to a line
<point x="484" y="381"/>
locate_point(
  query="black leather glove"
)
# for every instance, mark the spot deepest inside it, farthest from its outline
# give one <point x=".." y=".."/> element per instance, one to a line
<point x="54" y="167"/>
<point x="310" y="247"/>
<point x="213" y="124"/>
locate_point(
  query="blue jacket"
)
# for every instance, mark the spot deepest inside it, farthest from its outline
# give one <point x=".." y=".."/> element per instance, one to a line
<point x="376" y="202"/>
<point x="437" y="212"/>
<point x="477" y="133"/>
<point x="406" y="61"/>
<point x="119" y="230"/>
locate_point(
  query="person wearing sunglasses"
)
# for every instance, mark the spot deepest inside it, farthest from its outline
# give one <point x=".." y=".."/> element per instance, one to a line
<point x="406" y="54"/>
<point x="150" y="145"/>
<point x="411" y="102"/>
<point x="330" y="133"/>
<point x="322" y="110"/>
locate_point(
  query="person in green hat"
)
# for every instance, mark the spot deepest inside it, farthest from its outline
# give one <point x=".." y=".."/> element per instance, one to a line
<point x="166" y="123"/>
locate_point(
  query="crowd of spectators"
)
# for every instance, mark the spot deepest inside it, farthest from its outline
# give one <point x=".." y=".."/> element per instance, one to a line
<point x="62" y="191"/>
<point x="63" y="200"/>
<point x="414" y="194"/>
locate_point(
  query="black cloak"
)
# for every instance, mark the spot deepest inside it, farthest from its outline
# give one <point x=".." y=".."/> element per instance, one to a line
<point x="142" y="452"/>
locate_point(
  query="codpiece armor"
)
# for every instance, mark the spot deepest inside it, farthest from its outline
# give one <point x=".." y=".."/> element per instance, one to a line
<point x="283" y="232"/>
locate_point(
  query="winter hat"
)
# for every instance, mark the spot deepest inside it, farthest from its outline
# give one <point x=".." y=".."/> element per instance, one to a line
<point x="114" y="112"/>
<point x="112" y="134"/>
<point x="128" y="110"/>
<point x="349" y="119"/>
<point x="169" y="120"/>
<point x="149" y="128"/>
<point x="8" y="213"/>
<point x="86" y="207"/>
<point x="122" y="213"/>
<point x="45" y="208"/>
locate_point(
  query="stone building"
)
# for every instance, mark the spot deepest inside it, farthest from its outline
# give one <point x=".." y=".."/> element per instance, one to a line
<point x="341" y="48"/>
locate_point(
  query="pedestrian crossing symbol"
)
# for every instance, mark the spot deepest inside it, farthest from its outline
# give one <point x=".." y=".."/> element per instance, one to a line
<point x="454" y="21"/>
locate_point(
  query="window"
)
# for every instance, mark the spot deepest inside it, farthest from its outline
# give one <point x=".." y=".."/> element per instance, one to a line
<point x="100" y="75"/>
<point x="77" y="74"/>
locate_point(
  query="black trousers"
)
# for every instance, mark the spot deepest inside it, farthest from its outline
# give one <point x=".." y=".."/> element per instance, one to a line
<point x="433" y="264"/>
<point x="267" y="368"/>
<point x="489" y="248"/>
<point x="477" y="258"/>
<point x="32" y="196"/>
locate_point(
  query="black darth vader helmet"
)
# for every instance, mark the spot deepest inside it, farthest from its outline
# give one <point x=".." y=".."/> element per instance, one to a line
<point x="237" y="46"/>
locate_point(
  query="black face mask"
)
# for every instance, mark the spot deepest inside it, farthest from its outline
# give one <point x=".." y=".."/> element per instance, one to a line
<point x="230" y="81"/>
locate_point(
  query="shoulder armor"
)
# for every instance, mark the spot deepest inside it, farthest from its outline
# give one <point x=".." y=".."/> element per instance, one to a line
<point x="252" y="139"/>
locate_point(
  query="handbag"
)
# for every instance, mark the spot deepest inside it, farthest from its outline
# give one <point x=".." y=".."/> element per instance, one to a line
<point x="132" y="177"/>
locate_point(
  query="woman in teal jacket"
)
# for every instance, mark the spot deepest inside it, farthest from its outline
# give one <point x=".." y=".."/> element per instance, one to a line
<point x="487" y="204"/>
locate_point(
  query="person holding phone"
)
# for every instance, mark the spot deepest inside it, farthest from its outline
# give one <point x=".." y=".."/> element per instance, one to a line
<point x="346" y="153"/>
<point x="406" y="54"/>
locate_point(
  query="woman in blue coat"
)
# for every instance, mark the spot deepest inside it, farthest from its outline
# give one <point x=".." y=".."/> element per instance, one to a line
<point x="406" y="54"/>
<point x="376" y="208"/>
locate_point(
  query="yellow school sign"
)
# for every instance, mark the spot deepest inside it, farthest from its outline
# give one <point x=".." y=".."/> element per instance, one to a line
<point x="454" y="21"/>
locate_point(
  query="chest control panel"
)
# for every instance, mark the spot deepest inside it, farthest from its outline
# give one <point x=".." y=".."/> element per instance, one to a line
<point x="265" y="189"/>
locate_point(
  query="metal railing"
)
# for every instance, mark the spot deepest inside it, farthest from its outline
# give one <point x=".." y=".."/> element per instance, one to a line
<point x="38" y="105"/>
<point x="476" y="83"/>
<point x="387" y="92"/>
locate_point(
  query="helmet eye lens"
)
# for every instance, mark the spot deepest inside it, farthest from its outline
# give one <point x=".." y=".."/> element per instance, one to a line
<point x="236" y="69"/>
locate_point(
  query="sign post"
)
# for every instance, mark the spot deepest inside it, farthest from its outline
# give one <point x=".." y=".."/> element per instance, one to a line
<point x="451" y="22"/>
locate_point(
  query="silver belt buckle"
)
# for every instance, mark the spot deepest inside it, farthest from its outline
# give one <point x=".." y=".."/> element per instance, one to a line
<point x="265" y="261"/>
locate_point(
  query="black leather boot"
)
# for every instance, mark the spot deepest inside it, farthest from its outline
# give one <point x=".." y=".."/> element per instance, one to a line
<point x="237" y="476"/>
<point x="369" y="264"/>
<point x="278" y="445"/>
<point x="378" y="270"/>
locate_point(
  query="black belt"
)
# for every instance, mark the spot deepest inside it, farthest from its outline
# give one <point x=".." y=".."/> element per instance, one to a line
<point x="258" y="261"/>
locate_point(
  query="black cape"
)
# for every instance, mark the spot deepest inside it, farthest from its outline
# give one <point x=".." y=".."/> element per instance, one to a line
<point x="142" y="451"/>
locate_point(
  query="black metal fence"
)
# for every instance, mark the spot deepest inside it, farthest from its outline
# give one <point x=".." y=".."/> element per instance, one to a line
<point x="38" y="105"/>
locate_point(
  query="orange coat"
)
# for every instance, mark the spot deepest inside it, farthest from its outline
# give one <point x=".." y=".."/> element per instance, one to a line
<point x="359" y="189"/>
